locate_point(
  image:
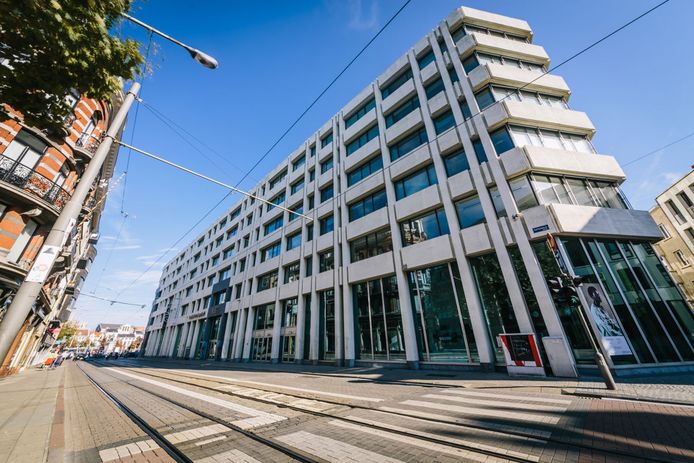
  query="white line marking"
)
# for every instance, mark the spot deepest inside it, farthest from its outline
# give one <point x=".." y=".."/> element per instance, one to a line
<point x="333" y="450"/>
<point x="259" y="417"/>
<point x="388" y="435"/>
<point x="506" y="396"/>
<point x="496" y="403"/>
<point x="312" y="391"/>
<point x="482" y="412"/>
<point x="490" y="427"/>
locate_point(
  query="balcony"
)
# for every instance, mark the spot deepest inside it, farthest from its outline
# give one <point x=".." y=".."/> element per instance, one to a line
<point x="516" y="77"/>
<point x="523" y="113"/>
<point x="88" y="143"/>
<point x="32" y="182"/>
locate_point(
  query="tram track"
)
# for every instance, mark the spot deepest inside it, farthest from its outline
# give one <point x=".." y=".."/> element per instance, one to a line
<point x="614" y="455"/>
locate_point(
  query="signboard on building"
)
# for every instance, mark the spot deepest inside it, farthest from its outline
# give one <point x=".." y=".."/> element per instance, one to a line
<point x="521" y="354"/>
<point x="604" y="320"/>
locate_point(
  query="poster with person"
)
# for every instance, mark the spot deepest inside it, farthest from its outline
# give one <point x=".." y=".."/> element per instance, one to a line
<point x="605" y="320"/>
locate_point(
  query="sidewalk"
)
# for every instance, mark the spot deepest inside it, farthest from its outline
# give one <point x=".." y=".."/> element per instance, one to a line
<point x="675" y="388"/>
<point x="59" y="416"/>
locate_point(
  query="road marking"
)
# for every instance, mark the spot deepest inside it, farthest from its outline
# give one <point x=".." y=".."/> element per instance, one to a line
<point x="483" y="412"/>
<point x="496" y="403"/>
<point x="333" y="450"/>
<point x="290" y="388"/>
<point x="444" y="437"/>
<point x="127" y="450"/>
<point x="195" y="433"/>
<point x="506" y="396"/>
<point x="258" y="417"/>
<point x="492" y="427"/>
<point x="230" y="456"/>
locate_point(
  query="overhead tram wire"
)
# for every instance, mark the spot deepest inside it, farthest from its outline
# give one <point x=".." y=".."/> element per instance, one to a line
<point x="562" y="63"/>
<point x="657" y="150"/>
<point x="282" y="136"/>
<point x="113" y="301"/>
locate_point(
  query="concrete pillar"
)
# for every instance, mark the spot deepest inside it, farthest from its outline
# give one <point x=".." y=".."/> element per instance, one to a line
<point x="194" y="342"/>
<point x="276" y="333"/>
<point x="248" y="335"/>
<point x="314" y="346"/>
<point x="239" y="332"/>
<point x="300" y="321"/>
<point x="227" y="335"/>
<point x="184" y="339"/>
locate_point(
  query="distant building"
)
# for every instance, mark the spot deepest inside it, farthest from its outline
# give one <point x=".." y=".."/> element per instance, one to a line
<point x="114" y="337"/>
<point x="674" y="214"/>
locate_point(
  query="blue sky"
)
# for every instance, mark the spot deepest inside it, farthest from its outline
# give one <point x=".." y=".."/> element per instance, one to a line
<point x="276" y="56"/>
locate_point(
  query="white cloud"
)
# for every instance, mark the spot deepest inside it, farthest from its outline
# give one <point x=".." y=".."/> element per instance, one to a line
<point x="362" y="17"/>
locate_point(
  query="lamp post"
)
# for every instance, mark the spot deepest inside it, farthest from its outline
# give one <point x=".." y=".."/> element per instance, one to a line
<point x="30" y="288"/>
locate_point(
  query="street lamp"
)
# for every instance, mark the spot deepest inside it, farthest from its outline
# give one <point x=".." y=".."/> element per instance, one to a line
<point x="199" y="56"/>
<point x="30" y="288"/>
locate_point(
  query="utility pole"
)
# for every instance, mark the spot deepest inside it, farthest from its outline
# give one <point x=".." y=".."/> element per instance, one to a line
<point x="566" y="286"/>
<point x="29" y="290"/>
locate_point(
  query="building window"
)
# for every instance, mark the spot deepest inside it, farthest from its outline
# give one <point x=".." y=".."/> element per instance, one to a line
<point x="492" y="94"/>
<point x="24" y="151"/>
<point x="274" y="225"/>
<point x="326" y="165"/>
<point x="554" y="139"/>
<point x="326" y="339"/>
<point x="366" y="169"/>
<point x="469" y="211"/>
<point x="552" y="189"/>
<point x="664" y="231"/>
<point x="327" y="224"/>
<point x="311" y="174"/>
<point x="477" y="59"/>
<point x="326" y="193"/>
<point x="675" y="211"/>
<point x="325" y="141"/>
<point x="299" y="163"/>
<point x="264" y="317"/>
<point x="275" y="181"/>
<point x="371" y="245"/>
<point x="362" y="139"/>
<point x="415" y="182"/>
<point x="497" y="202"/>
<point x="479" y="151"/>
<point x="455" y="162"/>
<point x="434" y="88"/>
<point x="408" y="144"/>
<point x="270" y="252"/>
<point x="442" y="322"/>
<point x="296" y="210"/>
<point x="681" y="258"/>
<point x="426" y="59"/>
<point x="297" y="186"/>
<point x="453" y="75"/>
<point x="424" y="227"/>
<point x="291" y="272"/>
<point x="361" y="112"/>
<point x="267" y="281"/>
<point x="326" y="261"/>
<point x="309" y="232"/>
<point x="522" y="193"/>
<point x="402" y="111"/>
<point x="309" y="266"/>
<point x="290" y="309"/>
<point x="277" y="200"/>
<point x="294" y="241"/>
<point x="444" y="122"/>
<point x="379" y="332"/>
<point x="367" y="205"/>
<point x="396" y="83"/>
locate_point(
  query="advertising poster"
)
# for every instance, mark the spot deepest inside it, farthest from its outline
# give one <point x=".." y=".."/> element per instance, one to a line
<point x="521" y="354"/>
<point x="605" y="320"/>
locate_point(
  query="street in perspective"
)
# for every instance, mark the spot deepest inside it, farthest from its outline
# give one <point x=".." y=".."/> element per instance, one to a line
<point x="346" y="231"/>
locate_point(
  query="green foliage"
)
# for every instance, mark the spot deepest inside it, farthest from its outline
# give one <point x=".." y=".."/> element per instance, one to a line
<point x="67" y="331"/>
<point x="54" y="46"/>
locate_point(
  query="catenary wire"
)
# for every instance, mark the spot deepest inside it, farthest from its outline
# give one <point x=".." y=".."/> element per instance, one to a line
<point x="657" y="150"/>
<point x="282" y="136"/>
<point x="113" y="301"/>
<point x="562" y="63"/>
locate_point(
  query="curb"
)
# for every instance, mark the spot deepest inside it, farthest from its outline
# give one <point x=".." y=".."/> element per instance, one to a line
<point x="624" y="396"/>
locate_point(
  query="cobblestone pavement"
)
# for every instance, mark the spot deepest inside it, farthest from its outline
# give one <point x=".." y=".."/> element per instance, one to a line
<point x="526" y="419"/>
<point x="210" y="411"/>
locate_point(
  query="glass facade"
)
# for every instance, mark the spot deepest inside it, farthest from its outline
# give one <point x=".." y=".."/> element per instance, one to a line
<point x="378" y="322"/>
<point x="326" y="307"/>
<point x="424" y="227"/>
<point x="444" y="331"/>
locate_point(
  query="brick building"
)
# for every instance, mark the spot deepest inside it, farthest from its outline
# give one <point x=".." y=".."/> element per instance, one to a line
<point x="38" y="173"/>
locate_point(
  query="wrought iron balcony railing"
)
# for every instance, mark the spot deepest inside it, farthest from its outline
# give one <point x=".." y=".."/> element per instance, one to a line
<point x="32" y="182"/>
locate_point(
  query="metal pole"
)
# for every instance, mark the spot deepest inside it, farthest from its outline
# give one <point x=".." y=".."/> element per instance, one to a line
<point x="30" y="288"/>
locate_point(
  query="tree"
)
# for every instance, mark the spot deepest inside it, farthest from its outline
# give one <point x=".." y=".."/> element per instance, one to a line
<point x="67" y="332"/>
<point x="52" y="48"/>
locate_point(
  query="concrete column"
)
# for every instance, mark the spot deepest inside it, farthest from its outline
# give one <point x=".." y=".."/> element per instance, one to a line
<point x="239" y="331"/>
<point x="314" y="346"/>
<point x="300" y="320"/>
<point x="406" y="309"/>
<point x="227" y="335"/>
<point x="172" y="345"/>
<point x="194" y="342"/>
<point x="276" y="333"/>
<point x="184" y="340"/>
<point x="248" y="336"/>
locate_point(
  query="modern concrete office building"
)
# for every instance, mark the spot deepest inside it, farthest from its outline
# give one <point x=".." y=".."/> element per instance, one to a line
<point x="674" y="214"/>
<point x="431" y="194"/>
